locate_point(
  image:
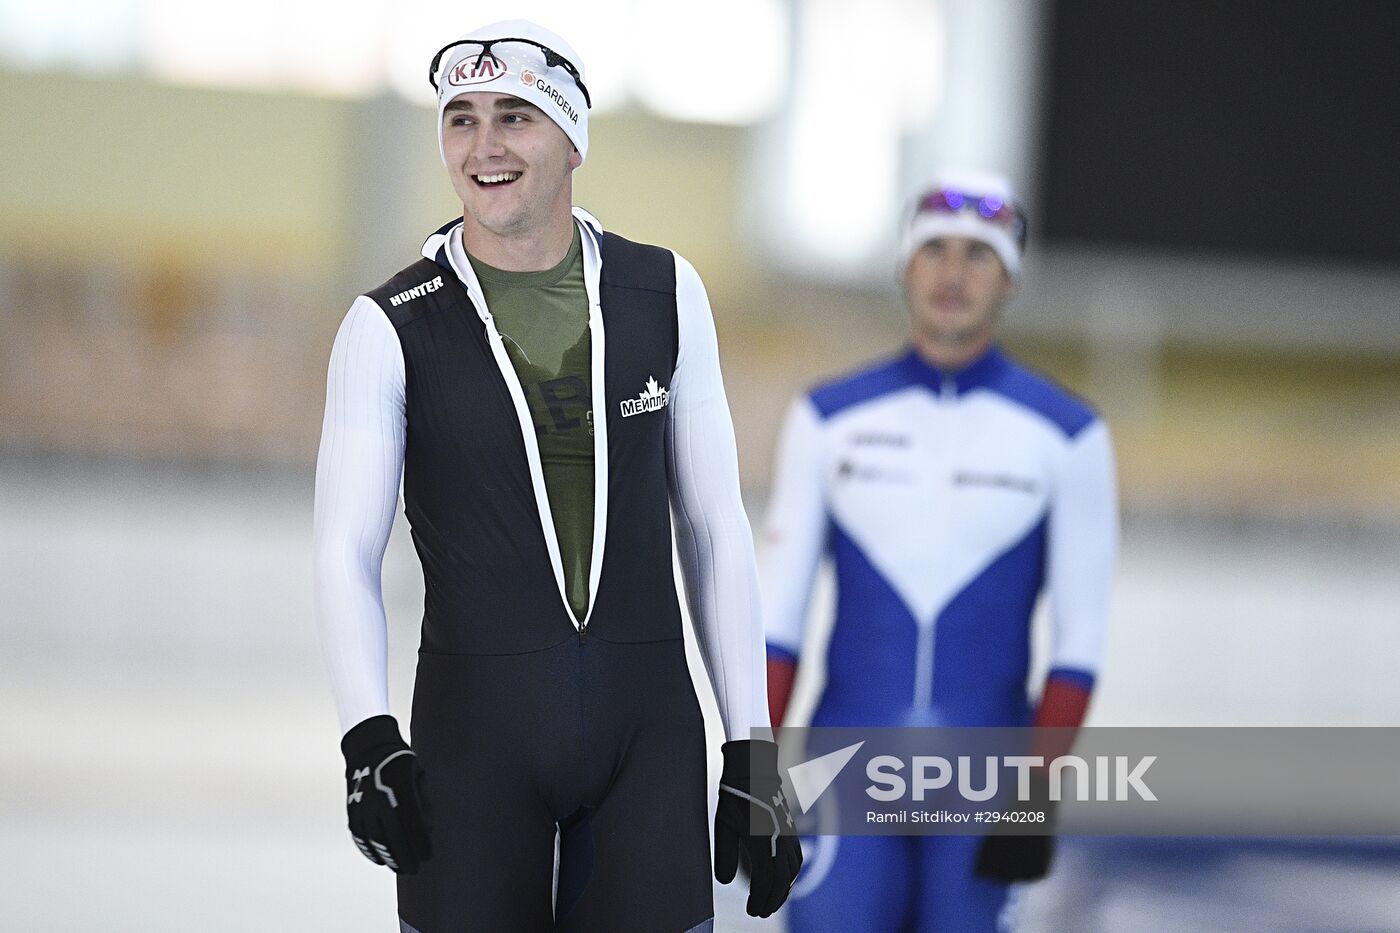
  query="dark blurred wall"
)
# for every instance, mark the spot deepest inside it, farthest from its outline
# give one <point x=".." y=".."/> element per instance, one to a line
<point x="1269" y="129"/>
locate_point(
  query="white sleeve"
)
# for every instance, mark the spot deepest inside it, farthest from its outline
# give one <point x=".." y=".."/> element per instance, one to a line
<point x="713" y="536"/>
<point x="794" y="532"/>
<point x="358" y="470"/>
<point x="1083" y="551"/>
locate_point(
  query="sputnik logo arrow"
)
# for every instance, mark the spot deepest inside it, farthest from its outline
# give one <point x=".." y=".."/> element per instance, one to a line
<point x="811" y="778"/>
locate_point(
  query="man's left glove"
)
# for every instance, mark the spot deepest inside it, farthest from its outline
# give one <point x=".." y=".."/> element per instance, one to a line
<point x="389" y="816"/>
<point x="753" y="825"/>
<point x="1022" y="858"/>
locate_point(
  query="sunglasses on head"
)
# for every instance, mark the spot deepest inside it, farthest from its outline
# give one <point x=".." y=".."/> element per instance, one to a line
<point x="989" y="207"/>
<point x="552" y="59"/>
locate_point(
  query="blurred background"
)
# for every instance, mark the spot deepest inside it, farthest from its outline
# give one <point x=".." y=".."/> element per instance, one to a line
<point x="192" y="193"/>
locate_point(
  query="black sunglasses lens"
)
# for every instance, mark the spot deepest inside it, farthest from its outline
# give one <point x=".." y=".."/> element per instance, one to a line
<point x="552" y="59"/>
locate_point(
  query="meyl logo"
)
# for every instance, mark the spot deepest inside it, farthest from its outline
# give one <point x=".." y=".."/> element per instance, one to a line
<point x="651" y="398"/>
<point x="527" y="78"/>
<point x="476" y="69"/>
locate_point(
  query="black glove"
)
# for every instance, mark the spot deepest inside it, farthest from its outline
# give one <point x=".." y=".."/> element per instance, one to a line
<point x="754" y="826"/>
<point x="388" y="811"/>
<point x="1021" y="858"/>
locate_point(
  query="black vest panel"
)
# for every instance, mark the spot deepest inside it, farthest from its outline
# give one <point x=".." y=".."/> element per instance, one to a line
<point x="468" y="495"/>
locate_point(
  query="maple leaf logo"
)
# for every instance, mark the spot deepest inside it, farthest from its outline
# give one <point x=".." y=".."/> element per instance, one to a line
<point x="653" y="396"/>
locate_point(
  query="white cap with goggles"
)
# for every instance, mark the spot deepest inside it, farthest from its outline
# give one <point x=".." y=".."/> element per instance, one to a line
<point x="978" y="205"/>
<point x="518" y="58"/>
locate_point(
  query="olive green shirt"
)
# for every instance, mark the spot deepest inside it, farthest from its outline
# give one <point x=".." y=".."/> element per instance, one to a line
<point x="542" y="318"/>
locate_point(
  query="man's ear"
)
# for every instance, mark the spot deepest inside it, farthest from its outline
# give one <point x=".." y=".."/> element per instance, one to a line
<point x="575" y="160"/>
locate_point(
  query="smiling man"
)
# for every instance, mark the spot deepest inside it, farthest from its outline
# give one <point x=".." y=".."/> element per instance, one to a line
<point x="952" y="487"/>
<point x="550" y="395"/>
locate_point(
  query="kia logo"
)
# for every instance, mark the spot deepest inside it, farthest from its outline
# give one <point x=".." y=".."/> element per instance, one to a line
<point x="476" y="70"/>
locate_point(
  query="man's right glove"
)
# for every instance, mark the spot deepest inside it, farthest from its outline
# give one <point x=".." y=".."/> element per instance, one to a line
<point x="388" y="811"/>
<point x="754" y="826"/>
<point x="1005" y="857"/>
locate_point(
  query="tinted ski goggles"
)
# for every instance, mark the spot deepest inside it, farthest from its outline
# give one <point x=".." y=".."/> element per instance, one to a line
<point x="989" y="207"/>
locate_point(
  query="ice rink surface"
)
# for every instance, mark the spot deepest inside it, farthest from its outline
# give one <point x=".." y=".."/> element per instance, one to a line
<point x="170" y="758"/>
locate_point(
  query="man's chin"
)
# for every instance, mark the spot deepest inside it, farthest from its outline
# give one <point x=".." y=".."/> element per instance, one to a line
<point x="952" y="321"/>
<point x="501" y="223"/>
<point x="956" y="331"/>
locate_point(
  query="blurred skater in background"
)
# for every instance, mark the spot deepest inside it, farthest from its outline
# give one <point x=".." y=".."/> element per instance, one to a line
<point x="951" y="486"/>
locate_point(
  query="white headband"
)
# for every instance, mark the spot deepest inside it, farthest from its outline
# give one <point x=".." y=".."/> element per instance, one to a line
<point x="517" y="69"/>
<point x="925" y="225"/>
